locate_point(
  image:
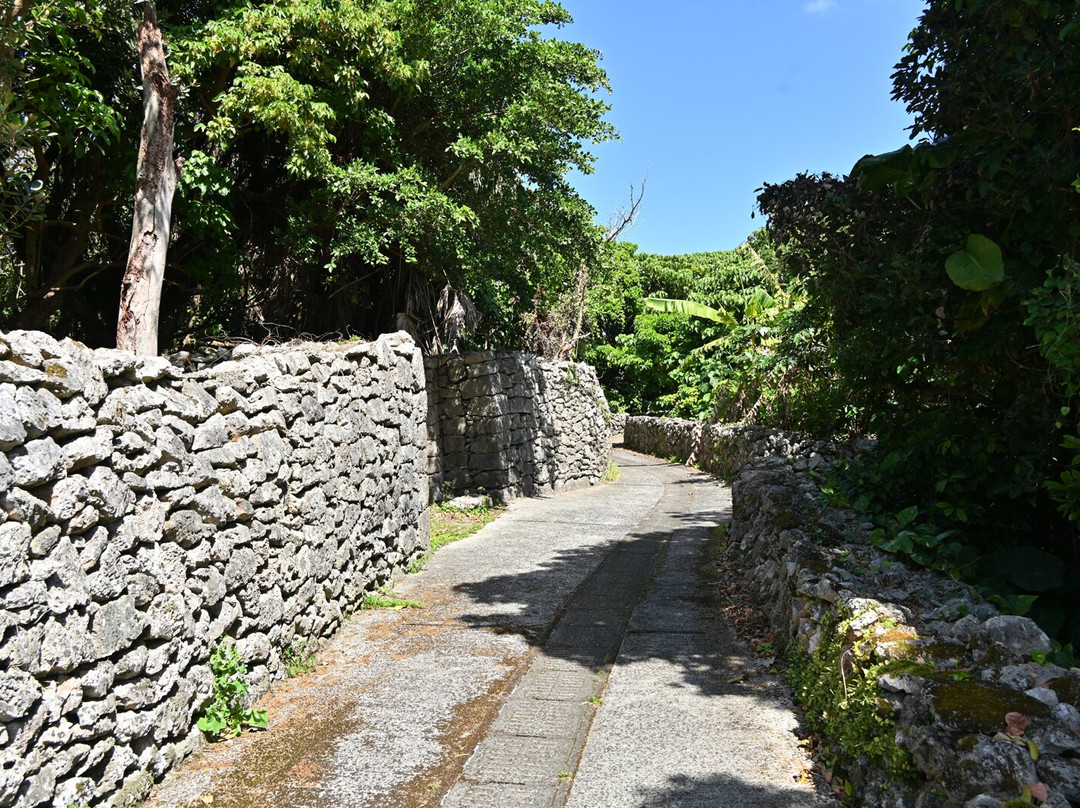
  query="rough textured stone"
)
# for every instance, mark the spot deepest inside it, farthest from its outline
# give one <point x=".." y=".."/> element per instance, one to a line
<point x="37" y="462"/>
<point x="147" y="518"/>
<point x="15" y="540"/>
<point x="111" y="497"/>
<point x="1019" y="634"/>
<point x="951" y="725"/>
<point x="7" y="473"/>
<point x="88" y="450"/>
<point x="116" y="625"/>
<point x="67" y="497"/>
<point x="19" y="694"/>
<point x="12" y="428"/>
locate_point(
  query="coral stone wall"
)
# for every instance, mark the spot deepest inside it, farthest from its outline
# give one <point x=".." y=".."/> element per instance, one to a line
<point x="510" y="424"/>
<point x="718" y="449"/>
<point x="146" y="514"/>
<point x="907" y="674"/>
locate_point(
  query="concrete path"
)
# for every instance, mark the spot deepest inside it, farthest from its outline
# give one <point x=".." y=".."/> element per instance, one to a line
<point x="535" y="674"/>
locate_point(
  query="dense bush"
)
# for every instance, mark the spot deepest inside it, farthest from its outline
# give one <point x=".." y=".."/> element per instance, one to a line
<point x="962" y="360"/>
<point x="665" y="362"/>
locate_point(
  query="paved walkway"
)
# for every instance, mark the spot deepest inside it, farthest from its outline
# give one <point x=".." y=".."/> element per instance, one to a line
<point x="564" y="656"/>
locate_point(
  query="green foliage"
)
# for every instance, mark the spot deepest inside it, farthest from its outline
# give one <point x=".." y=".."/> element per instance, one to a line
<point x="374" y="600"/>
<point x="690" y="308"/>
<point x="346" y="164"/>
<point x="1061" y="655"/>
<point x="69" y="118"/>
<point x="407" y="146"/>
<point x="977" y="267"/>
<point x="939" y="285"/>
<point x="229" y="711"/>
<point x="837" y="687"/>
<point x="298" y="658"/>
<point x="707" y="335"/>
<point x="450" y="524"/>
<point x="920" y="542"/>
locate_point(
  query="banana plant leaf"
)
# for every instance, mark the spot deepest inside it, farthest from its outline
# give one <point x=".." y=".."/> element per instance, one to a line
<point x="692" y="308"/>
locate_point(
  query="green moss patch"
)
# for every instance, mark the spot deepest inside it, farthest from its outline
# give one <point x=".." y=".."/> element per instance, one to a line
<point x="970" y="706"/>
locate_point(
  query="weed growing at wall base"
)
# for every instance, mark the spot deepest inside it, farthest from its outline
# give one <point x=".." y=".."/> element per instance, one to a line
<point x="229" y="712"/>
<point x="374" y="600"/>
<point x="837" y="687"/>
<point x="298" y="658"/>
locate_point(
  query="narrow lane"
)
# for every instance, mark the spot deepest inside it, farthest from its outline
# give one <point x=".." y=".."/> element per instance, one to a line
<point x="690" y="719"/>
<point x="563" y="655"/>
<point x="401" y="698"/>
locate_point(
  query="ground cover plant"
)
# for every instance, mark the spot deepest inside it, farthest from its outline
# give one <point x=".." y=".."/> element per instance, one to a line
<point x="229" y="711"/>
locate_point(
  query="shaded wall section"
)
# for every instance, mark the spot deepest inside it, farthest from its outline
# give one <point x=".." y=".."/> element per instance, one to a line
<point x="908" y="674"/>
<point x="511" y="424"/>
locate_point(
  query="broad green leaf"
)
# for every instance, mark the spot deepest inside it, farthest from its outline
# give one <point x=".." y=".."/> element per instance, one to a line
<point x="758" y="302"/>
<point x="691" y="308"/>
<point x="875" y="171"/>
<point x="977" y="267"/>
<point x="907" y="516"/>
<point x="1029" y="568"/>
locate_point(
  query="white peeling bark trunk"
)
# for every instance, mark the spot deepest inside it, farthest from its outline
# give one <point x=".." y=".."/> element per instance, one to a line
<point x="140" y="291"/>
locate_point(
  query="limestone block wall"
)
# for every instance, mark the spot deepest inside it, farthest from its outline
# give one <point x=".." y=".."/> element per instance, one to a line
<point x="618" y="423"/>
<point x="510" y="424"/>
<point x="722" y="450"/>
<point x="935" y="668"/>
<point x="146" y="514"/>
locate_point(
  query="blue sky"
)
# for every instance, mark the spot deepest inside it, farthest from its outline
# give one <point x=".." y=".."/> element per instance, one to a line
<point x="714" y="98"/>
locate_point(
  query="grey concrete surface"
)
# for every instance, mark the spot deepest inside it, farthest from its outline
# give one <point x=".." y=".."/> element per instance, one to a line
<point x="689" y="718"/>
<point x="400" y="698"/>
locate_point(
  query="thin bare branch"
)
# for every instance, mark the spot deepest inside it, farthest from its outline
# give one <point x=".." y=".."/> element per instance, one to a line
<point x="625" y="217"/>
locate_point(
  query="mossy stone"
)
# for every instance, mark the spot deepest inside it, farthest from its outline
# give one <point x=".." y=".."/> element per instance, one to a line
<point x="785" y="519"/>
<point x="1067" y="689"/>
<point x="940" y="650"/>
<point x="981" y="706"/>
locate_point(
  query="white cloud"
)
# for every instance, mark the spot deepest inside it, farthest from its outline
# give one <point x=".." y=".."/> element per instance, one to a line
<point x="819" y="6"/>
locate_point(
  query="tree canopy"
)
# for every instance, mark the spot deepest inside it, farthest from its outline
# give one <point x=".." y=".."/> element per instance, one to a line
<point x="349" y="166"/>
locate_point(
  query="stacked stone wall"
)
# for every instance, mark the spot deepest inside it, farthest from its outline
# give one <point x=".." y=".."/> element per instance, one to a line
<point x="723" y="450"/>
<point x="510" y="424"/>
<point x="148" y="514"/>
<point x="945" y="667"/>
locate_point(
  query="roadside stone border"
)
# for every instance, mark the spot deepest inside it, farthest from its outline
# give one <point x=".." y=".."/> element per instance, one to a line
<point x="912" y="670"/>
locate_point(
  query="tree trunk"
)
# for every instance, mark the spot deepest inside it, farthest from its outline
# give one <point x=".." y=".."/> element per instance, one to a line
<point x="140" y="291"/>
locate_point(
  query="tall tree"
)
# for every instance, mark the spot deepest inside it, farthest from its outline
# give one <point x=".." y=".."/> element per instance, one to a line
<point x="377" y="151"/>
<point x="346" y="164"/>
<point x="140" y="292"/>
